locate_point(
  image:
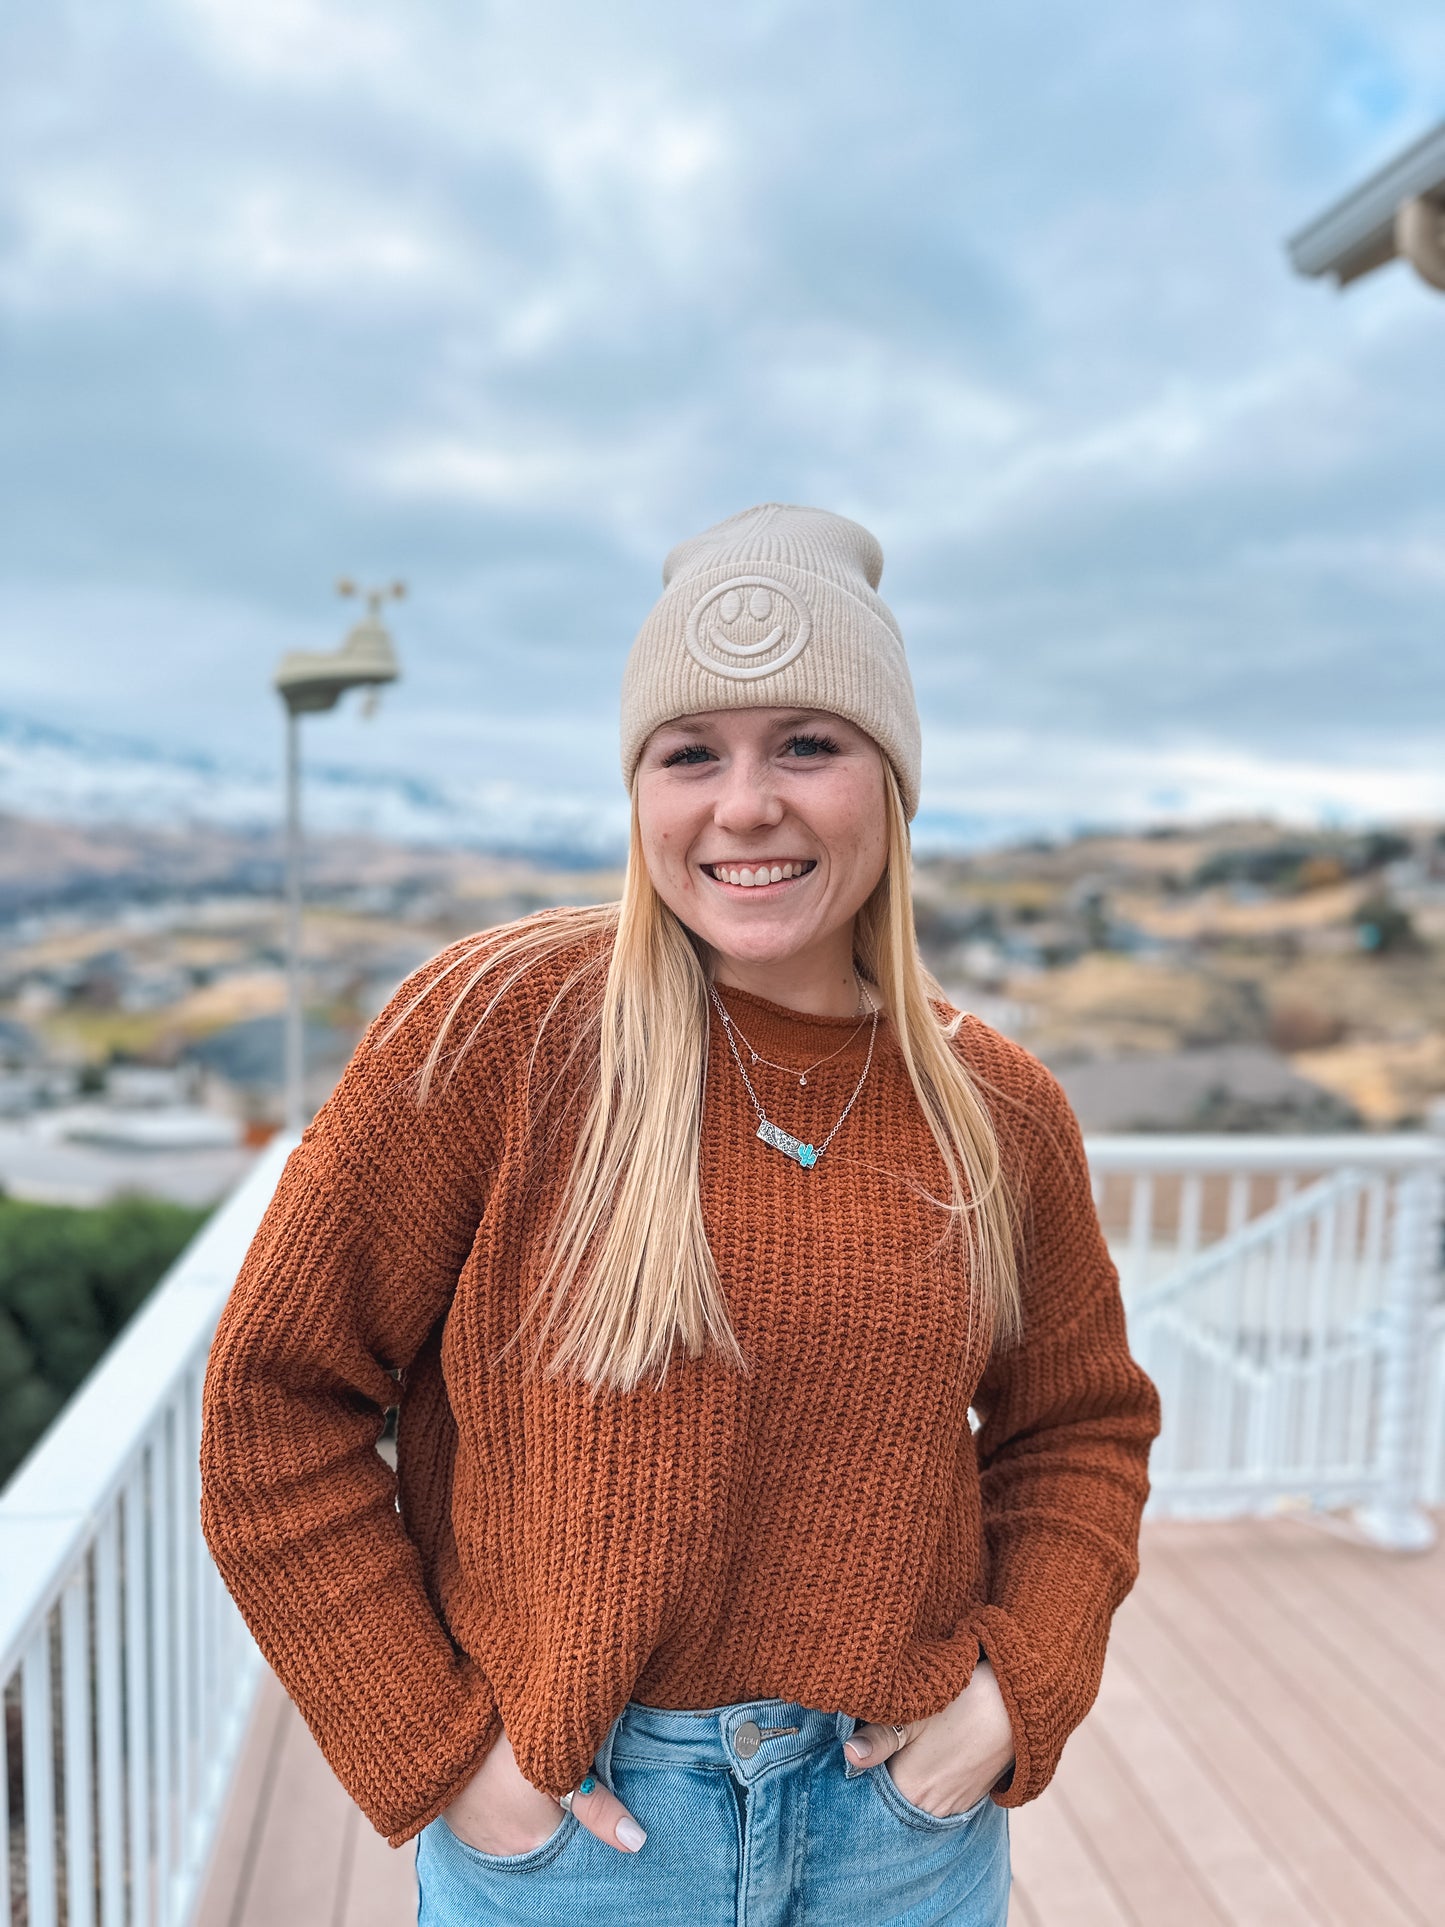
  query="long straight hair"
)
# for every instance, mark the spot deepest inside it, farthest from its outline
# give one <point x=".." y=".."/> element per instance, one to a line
<point x="628" y="1274"/>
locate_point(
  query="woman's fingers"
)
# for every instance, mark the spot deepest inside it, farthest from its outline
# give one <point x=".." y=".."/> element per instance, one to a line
<point x="869" y="1744"/>
<point x="602" y="1813"/>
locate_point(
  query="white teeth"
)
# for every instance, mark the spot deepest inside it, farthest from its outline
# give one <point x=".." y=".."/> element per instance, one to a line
<point x="751" y="879"/>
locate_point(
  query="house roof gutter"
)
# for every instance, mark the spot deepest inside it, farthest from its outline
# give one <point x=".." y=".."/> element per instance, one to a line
<point x="1398" y="211"/>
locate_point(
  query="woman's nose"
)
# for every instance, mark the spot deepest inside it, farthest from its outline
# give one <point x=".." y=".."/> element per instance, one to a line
<point x="747" y="800"/>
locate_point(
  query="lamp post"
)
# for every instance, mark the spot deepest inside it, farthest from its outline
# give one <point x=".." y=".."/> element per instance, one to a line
<point x="308" y="681"/>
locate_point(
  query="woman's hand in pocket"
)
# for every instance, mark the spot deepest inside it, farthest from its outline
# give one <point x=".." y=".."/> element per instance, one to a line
<point x="949" y="1761"/>
<point x="500" y="1811"/>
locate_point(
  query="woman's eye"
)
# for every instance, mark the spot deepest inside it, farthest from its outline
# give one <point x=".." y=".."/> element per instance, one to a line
<point x="689" y="753"/>
<point x="812" y="745"/>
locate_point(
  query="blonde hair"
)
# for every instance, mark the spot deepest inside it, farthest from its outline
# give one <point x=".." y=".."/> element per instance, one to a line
<point x="628" y="1271"/>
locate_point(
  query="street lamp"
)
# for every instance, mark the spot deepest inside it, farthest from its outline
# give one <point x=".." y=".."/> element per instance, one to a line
<point x="1398" y="211"/>
<point x="308" y="681"/>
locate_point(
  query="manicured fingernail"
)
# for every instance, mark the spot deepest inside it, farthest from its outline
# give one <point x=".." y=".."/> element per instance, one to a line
<point x="861" y="1748"/>
<point x="630" y="1834"/>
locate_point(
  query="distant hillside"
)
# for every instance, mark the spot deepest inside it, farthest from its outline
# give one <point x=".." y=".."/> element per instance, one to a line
<point x="94" y="780"/>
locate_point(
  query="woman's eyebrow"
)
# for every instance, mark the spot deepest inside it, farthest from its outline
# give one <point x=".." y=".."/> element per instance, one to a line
<point x="694" y="728"/>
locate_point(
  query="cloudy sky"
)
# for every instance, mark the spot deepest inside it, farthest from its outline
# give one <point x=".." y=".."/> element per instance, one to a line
<point x="505" y="298"/>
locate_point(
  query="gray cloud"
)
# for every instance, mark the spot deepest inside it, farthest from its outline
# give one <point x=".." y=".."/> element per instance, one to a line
<point x="506" y="300"/>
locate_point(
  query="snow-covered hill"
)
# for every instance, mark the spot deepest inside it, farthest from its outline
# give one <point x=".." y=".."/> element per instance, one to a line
<point x="94" y="779"/>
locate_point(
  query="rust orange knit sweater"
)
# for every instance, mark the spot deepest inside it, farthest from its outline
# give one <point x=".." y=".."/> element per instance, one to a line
<point x="826" y="1528"/>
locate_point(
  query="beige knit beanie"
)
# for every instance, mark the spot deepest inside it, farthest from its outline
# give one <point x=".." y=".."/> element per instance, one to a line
<point x="774" y="607"/>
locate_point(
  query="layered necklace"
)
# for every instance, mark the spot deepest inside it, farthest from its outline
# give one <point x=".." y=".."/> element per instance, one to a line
<point x="755" y="1056"/>
<point x="792" y="1147"/>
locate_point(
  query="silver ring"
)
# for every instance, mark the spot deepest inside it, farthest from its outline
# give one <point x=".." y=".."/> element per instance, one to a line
<point x="898" y="1733"/>
<point x="564" y="1800"/>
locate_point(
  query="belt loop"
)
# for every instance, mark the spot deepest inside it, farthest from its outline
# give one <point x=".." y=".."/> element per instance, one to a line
<point x="847" y="1726"/>
<point x="603" y="1759"/>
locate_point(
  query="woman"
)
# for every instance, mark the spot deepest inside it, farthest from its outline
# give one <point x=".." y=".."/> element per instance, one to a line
<point x="694" y="1227"/>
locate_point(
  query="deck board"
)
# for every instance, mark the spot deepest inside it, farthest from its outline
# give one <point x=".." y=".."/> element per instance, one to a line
<point x="1059" y="1879"/>
<point x="1228" y="1857"/>
<point x="1344" y="1619"/>
<point x="1261" y="1669"/>
<point x="1134" y="1840"/>
<point x="1268" y="1750"/>
<point x="1263" y="1776"/>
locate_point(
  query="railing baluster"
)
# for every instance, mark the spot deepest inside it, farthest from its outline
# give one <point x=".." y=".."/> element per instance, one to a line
<point x="161" y="1662"/>
<point x="208" y="1657"/>
<point x="1345" y="1305"/>
<point x="1237" y="1210"/>
<point x="1377" y="1216"/>
<point x="139" y="1724"/>
<point x="37" y="1769"/>
<point x="1141" y="1220"/>
<point x="7" y="1911"/>
<point x="109" y="1780"/>
<point x="183" y="1629"/>
<point x="1317" y="1342"/>
<point x="1434" y="1487"/>
<point x="1191" y="1211"/>
<point x="79" y="1770"/>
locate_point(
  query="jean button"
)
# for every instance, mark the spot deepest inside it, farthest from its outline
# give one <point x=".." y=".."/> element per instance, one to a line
<point x="747" y="1739"/>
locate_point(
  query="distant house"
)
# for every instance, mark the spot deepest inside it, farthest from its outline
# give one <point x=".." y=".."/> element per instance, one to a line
<point x="1227" y="1087"/>
<point x="20" y="1048"/>
<point x="249" y="1057"/>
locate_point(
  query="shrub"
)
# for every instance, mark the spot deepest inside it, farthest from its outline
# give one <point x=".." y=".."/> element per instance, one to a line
<point x="70" y="1280"/>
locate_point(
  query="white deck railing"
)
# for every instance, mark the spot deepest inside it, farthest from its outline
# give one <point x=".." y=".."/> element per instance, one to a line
<point x="128" y="1673"/>
<point x="1283" y="1291"/>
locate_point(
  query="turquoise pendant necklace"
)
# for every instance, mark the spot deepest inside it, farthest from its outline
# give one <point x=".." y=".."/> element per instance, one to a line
<point x="792" y="1147"/>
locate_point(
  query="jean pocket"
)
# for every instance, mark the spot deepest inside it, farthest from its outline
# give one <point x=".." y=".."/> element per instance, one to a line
<point x="902" y="1808"/>
<point x="538" y="1856"/>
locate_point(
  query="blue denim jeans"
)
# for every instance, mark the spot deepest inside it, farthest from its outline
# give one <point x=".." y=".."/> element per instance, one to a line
<point x="753" y="1819"/>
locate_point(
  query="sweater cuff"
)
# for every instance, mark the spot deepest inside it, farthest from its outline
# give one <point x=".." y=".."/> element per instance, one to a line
<point x="456" y="1757"/>
<point x="1028" y="1685"/>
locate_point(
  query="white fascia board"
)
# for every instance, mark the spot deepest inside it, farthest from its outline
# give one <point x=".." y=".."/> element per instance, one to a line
<point x="1358" y="232"/>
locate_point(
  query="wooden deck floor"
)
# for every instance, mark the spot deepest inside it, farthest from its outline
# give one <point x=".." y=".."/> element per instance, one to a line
<point x="1268" y="1748"/>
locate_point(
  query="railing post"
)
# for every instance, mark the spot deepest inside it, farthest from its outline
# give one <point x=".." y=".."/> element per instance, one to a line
<point x="1433" y="1489"/>
<point x="1399" y="1521"/>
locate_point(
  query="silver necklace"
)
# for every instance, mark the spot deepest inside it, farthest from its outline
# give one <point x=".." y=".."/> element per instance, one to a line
<point x="755" y="1055"/>
<point x="792" y="1147"/>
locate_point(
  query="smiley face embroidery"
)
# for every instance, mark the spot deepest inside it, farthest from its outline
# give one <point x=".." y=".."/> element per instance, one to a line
<point x="747" y="627"/>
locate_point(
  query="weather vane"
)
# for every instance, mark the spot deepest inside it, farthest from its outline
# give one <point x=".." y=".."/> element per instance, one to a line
<point x="390" y="592"/>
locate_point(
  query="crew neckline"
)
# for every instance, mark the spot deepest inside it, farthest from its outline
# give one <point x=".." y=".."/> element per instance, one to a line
<point x="730" y="995"/>
<point x="773" y="1027"/>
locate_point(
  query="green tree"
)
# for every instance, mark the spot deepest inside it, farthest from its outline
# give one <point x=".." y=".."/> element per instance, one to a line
<point x="70" y="1280"/>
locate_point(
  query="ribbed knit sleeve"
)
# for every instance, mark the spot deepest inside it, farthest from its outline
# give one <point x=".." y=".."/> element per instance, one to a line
<point x="353" y="1264"/>
<point x="1067" y="1418"/>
